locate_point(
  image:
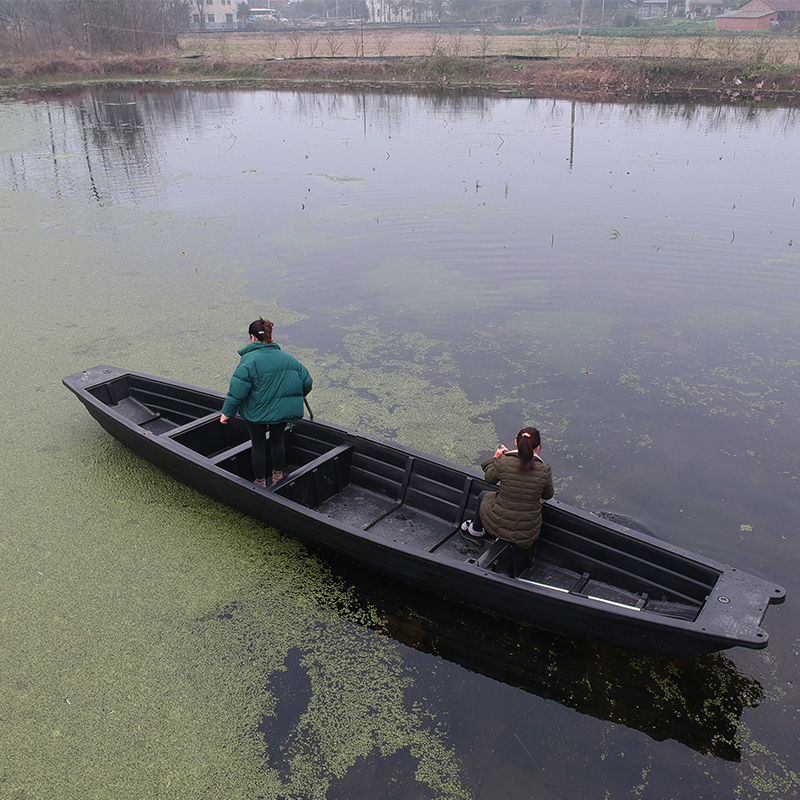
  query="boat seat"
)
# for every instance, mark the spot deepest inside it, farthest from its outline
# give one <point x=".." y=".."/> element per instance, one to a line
<point x="319" y="480"/>
<point x="493" y="552"/>
<point x="138" y="413"/>
<point x="230" y="452"/>
<point x="195" y="423"/>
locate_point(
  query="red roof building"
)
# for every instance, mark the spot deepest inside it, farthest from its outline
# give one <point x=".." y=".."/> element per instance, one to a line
<point x="761" y="15"/>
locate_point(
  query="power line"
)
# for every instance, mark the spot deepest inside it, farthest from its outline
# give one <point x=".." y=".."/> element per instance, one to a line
<point x="88" y="3"/>
<point x="123" y="30"/>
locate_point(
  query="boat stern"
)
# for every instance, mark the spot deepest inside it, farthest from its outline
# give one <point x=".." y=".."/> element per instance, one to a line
<point x="737" y="606"/>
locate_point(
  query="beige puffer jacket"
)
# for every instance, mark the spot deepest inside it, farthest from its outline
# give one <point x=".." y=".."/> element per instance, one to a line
<point x="514" y="513"/>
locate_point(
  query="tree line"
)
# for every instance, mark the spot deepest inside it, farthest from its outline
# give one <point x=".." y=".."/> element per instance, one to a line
<point x="97" y="27"/>
<point x="93" y="27"/>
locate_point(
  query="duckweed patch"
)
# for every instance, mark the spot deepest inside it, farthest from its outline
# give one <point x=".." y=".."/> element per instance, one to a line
<point x="342" y="178"/>
<point x="765" y="776"/>
<point x="133" y="607"/>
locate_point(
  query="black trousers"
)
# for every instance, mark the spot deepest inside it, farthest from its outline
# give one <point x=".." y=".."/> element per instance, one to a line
<point x="258" y="436"/>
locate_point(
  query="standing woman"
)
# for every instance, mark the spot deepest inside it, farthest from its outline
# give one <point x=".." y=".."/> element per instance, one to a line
<point x="267" y="389"/>
<point x="514" y="513"/>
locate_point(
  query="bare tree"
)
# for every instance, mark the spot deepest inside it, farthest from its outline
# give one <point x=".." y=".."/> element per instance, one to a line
<point x="534" y="46"/>
<point x="559" y="42"/>
<point x="295" y="42"/>
<point x="698" y="45"/>
<point x="224" y="45"/>
<point x="483" y="40"/>
<point x="760" y="49"/>
<point x="15" y="28"/>
<point x="200" y="6"/>
<point x="641" y="45"/>
<point x="727" y="47"/>
<point x="98" y="26"/>
<point x="274" y="41"/>
<point x="455" y="44"/>
<point x="200" y="45"/>
<point x="432" y="43"/>
<point x="357" y="42"/>
<point x="671" y="46"/>
<point x="382" y="41"/>
<point x="610" y="45"/>
<point x="333" y="41"/>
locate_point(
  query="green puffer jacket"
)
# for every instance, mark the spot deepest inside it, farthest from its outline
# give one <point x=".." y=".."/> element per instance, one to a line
<point x="514" y="513"/>
<point x="268" y="386"/>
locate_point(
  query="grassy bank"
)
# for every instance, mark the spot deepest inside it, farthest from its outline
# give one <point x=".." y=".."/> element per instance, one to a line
<point x="276" y="58"/>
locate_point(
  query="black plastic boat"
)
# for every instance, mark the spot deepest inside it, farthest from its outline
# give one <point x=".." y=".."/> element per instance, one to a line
<point x="398" y="511"/>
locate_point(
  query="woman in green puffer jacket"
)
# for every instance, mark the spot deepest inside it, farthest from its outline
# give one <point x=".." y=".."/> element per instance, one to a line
<point x="514" y="513"/>
<point x="267" y="390"/>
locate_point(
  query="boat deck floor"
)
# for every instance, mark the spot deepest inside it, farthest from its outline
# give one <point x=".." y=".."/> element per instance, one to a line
<point x="402" y="525"/>
<point x="416" y="529"/>
<point x="553" y="576"/>
<point x="356" y="506"/>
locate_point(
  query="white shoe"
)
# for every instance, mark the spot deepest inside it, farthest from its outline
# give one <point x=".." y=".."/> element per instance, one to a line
<point x="471" y="533"/>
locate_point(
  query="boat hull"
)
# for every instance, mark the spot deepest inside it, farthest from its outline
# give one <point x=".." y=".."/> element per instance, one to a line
<point x="397" y="511"/>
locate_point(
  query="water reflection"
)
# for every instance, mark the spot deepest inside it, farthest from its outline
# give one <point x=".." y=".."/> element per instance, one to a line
<point x="113" y="145"/>
<point x="695" y="701"/>
<point x="109" y="146"/>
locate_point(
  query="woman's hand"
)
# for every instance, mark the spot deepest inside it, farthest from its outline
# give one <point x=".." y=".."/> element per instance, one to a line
<point x="223" y="419"/>
<point x="501" y="451"/>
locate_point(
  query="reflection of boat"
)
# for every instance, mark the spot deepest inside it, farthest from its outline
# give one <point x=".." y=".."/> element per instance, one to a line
<point x="398" y="511"/>
<point x="695" y="701"/>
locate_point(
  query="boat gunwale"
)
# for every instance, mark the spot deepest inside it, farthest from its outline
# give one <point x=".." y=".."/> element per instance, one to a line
<point x="593" y="607"/>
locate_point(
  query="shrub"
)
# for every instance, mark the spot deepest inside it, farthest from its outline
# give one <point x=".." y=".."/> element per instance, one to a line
<point x="441" y="67"/>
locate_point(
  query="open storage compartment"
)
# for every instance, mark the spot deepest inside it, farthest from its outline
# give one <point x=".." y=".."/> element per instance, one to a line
<point x="154" y="406"/>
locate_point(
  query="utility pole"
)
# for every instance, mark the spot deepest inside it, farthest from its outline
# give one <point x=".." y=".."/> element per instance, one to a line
<point x="580" y="29"/>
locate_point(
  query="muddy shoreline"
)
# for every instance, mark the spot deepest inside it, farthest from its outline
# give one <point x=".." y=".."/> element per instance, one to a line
<point x="600" y="79"/>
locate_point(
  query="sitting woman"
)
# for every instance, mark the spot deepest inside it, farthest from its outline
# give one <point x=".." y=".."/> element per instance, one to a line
<point x="514" y="513"/>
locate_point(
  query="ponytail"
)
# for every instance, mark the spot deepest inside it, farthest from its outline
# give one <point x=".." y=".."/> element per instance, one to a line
<point x="528" y="440"/>
<point x="262" y="330"/>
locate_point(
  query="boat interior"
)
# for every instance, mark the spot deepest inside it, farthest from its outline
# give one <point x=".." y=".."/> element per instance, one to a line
<point x="415" y="502"/>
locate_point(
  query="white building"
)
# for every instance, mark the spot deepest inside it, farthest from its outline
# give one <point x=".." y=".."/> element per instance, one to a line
<point x="213" y="15"/>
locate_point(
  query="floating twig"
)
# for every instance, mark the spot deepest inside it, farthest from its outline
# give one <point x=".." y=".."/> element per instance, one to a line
<point x="528" y="752"/>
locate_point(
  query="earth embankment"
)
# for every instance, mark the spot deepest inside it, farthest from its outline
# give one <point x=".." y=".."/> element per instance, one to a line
<point x="532" y="65"/>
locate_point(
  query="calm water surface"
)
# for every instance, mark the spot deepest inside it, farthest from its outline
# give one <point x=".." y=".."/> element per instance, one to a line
<point x="450" y="268"/>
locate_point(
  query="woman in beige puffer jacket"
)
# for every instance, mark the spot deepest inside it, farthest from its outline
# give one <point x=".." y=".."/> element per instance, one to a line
<point x="514" y="513"/>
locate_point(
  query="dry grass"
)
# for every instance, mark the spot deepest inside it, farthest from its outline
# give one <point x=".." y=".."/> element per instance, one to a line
<point x="608" y="67"/>
<point x="537" y="44"/>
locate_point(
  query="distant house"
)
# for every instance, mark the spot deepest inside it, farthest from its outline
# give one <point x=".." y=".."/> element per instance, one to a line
<point x="650" y="9"/>
<point x="707" y="8"/>
<point x="761" y="15"/>
<point x="213" y="15"/>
